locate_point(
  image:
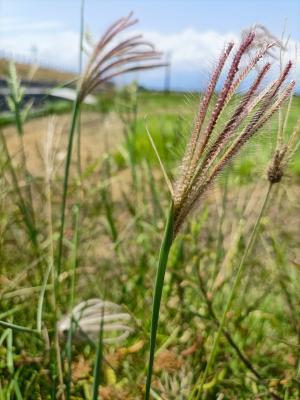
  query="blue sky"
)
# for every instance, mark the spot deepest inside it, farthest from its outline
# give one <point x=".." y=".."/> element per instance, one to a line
<point x="193" y="31"/>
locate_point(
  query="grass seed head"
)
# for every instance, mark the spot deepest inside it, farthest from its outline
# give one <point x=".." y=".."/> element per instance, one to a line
<point x="212" y="146"/>
<point x="262" y="37"/>
<point x="111" y="58"/>
<point x="283" y="154"/>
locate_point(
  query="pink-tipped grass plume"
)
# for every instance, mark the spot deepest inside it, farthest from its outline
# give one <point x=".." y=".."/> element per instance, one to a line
<point x="109" y="60"/>
<point x="112" y="56"/>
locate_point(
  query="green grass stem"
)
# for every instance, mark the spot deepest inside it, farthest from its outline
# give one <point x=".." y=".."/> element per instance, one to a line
<point x="17" y="327"/>
<point x="74" y="117"/>
<point x="98" y="361"/>
<point x="158" y="288"/>
<point x="71" y="304"/>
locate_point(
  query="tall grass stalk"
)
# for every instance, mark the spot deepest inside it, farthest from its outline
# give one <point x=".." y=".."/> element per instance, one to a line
<point x="51" y="271"/>
<point x="220" y="228"/>
<point x="208" y="153"/>
<point x="156" y="206"/>
<point x="198" y="389"/>
<point x="56" y="272"/>
<point x="128" y="114"/>
<point x="9" y="353"/>
<point x="109" y="213"/>
<point x="39" y="314"/>
<point x="74" y="118"/>
<point x="80" y="59"/>
<point x="105" y="63"/>
<point x="71" y="303"/>
<point x="98" y="361"/>
<point x="166" y="244"/>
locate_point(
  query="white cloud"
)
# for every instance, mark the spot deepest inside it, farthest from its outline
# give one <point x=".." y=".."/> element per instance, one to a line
<point x="190" y="46"/>
<point x="59" y="49"/>
<point x="191" y="51"/>
<point x="14" y="25"/>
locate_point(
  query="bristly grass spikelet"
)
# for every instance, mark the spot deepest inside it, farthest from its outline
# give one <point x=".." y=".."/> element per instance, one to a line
<point x="283" y="155"/>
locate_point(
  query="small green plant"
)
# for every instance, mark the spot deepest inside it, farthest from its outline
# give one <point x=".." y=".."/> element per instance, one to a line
<point x="15" y="102"/>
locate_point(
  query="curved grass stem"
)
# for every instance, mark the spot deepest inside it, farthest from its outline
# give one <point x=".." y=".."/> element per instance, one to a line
<point x="75" y="113"/>
<point x="166" y="245"/>
<point x="81" y="37"/>
<point x="198" y="388"/>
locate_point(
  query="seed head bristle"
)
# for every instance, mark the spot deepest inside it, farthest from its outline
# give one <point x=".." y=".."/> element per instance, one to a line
<point x="283" y="155"/>
<point x="205" y="158"/>
<point x="197" y="144"/>
<point x="247" y="69"/>
<point x="263" y="36"/>
<point x="109" y="60"/>
<point x="275" y="170"/>
<point x="186" y="167"/>
<point x="223" y="95"/>
<point x="234" y="122"/>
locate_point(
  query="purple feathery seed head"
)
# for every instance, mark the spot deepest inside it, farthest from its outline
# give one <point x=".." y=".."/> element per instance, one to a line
<point x="109" y="60"/>
<point x="212" y="143"/>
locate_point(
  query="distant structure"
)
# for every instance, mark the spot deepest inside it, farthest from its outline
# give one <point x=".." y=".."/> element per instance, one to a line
<point x="34" y="53"/>
<point x="41" y="85"/>
<point x="167" y="83"/>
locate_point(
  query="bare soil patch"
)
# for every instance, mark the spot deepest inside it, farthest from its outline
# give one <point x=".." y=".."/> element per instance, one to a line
<point x="98" y="135"/>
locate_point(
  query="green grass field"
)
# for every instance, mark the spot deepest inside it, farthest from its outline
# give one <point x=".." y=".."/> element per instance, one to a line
<point x="169" y="118"/>
<point x="114" y="223"/>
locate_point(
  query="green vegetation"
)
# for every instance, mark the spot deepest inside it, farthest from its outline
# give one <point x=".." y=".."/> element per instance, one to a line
<point x="170" y="132"/>
<point x="114" y="222"/>
<point x="49" y="108"/>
